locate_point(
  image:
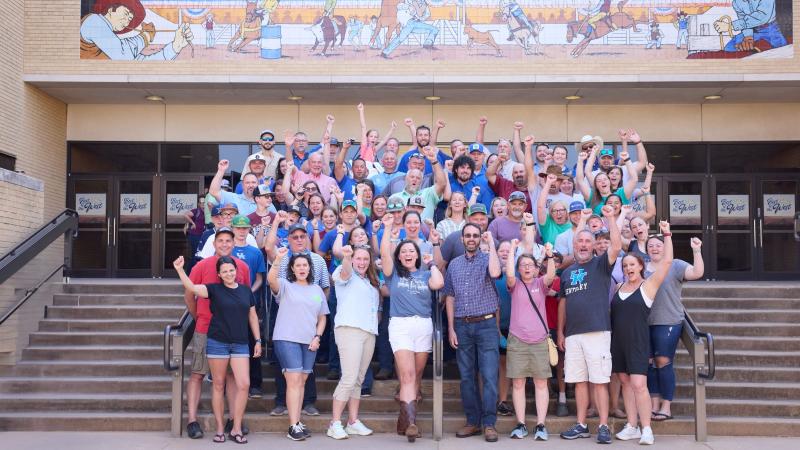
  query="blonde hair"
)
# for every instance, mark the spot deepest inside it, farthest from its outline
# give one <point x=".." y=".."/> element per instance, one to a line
<point x="449" y="211"/>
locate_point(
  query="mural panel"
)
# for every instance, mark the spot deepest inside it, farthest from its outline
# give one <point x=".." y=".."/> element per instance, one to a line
<point x="487" y="30"/>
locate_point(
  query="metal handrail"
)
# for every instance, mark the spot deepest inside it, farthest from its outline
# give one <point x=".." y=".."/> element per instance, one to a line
<point x="438" y="369"/>
<point x="710" y="359"/>
<point x="28" y="294"/>
<point x="180" y="328"/>
<point x="176" y="339"/>
<point x="700" y="346"/>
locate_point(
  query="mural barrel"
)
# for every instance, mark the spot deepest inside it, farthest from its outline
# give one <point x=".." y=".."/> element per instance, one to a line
<point x="271" y="41"/>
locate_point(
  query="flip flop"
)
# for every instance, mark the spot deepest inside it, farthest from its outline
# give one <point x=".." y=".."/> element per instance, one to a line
<point x="238" y="438"/>
<point x="660" y="417"/>
<point x="219" y="438"/>
<point x="619" y="414"/>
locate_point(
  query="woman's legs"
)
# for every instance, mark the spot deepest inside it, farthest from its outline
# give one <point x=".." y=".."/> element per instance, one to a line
<point x="241" y="375"/>
<point x="614" y="390"/>
<point x="502" y="381"/>
<point x="367" y="349"/>
<point x="420" y="359"/>
<point x="518" y="398"/>
<point x="218" y="367"/>
<point x="294" y="394"/>
<point x="542" y="398"/>
<point x="661" y="376"/>
<point x="405" y="366"/>
<point x="638" y="385"/>
<point x="629" y="398"/>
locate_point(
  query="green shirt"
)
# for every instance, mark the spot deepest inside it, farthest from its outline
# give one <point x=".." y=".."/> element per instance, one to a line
<point x="429" y="197"/>
<point x="550" y="230"/>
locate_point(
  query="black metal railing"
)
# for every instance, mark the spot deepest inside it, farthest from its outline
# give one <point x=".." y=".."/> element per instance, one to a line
<point x="700" y="346"/>
<point x="438" y="368"/>
<point x="64" y="224"/>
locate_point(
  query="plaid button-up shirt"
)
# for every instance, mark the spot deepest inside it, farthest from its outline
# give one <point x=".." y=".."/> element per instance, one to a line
<point x="468" y="280"/>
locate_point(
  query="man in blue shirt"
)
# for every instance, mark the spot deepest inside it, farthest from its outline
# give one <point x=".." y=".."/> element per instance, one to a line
<point x="244" y="202"/>
<point x="421" y="138"/>
<point x="755" y="21"/>
<point x="464" y="180"/>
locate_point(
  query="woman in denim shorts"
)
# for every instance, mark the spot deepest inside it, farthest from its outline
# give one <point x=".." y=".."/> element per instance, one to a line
<point x="232" y="309"/>
<point x="302" y="308"/>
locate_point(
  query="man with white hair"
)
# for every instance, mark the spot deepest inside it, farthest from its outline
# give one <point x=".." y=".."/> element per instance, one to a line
<point x="431" y="195"/>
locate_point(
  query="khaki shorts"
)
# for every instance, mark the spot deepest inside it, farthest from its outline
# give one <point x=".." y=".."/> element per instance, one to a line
<point x="525" y="360"/>
<point x="199" y="359"/>
<point x="588" y="358"/>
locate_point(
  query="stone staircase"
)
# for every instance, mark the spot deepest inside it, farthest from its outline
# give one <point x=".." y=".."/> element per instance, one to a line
<point x="96" y="364"/>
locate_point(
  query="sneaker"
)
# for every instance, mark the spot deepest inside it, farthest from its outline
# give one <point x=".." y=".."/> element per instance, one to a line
<point x="366" y="394"/>
<point x="647" y="437"/>
<point x="305" y="428"/>
<point x="310" y="410"/>
<point x="603" y="434"/>
<point x="503" y="409"/>
<point x="194" y="431"/>
<point x="279" y="410"/>
<point x="383" y="374"/>
<point x="255" y="393"/>
<point x="541" y="433"/>
<point x="334" y="375"/>
<point x="296" y="433"/>
<point x="562" y="410"/>
<point x="336" y="431"/>
<point x="519" y="432"/>
<point x="357" y="428"/>
<point x="629" y="432"/>
<point x="577" y="431"/>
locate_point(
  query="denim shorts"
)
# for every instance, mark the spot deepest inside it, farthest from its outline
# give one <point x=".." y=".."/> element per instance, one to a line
<point x="222" y="350"/>
<point x="295" y="357"/>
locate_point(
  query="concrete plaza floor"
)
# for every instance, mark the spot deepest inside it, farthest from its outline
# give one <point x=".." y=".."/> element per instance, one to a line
<point x="154" y="441"/>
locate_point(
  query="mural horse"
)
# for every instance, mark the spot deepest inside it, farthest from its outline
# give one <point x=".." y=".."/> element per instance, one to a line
<point x="249" y="30"/>
<point x="326" y="31"/>
<point x="387" y="19"/>
<point x="522" y="33"/>
<point x="616" y="21"/>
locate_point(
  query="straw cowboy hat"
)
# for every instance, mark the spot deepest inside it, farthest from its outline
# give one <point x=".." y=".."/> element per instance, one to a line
<point x="588" y="138"/>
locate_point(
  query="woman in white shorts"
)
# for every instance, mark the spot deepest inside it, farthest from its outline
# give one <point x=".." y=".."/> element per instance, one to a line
<point x="410" y="326"/>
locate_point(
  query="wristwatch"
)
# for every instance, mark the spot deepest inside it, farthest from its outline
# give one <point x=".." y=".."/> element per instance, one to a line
<point x="530" y="224"/>
<point x="436" y="244"/>
<point x="258" y="341"/>
<point x="317" y="336"/>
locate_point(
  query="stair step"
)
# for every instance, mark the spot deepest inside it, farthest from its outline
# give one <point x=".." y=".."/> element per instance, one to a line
<point x="774" y="343"/>
<point x="91" y="352"/>
<point x="110" y="368"/>
<point x="145" y="287"/>
<point x="740" y="290"/>
<point x="745" y="315"/>
<point x="43" y="338"/>
<point x="746" y="374"/>
<point x="740" y="303"/>
<point x="756" y="358"/>
<point x="116" y="299"/>
<point x="84" y="421"/>
<point x="134" y="325"/>
<point x="83" y="385"/>
<point x="784" y="329"/>
<point x="115" y="312"/>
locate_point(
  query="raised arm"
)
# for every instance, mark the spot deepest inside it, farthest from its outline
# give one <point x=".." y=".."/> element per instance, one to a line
<point x="196" y="289"/>
<point x="580" y="177"/>
<point x="527" y="161"/>
<point x="326" y="151"/>
<point x="529" y="238"/>
<point x="338" y="243"/>
<point x="436" y="281"/>
<point x="363" y="119"/>
<point x="215" y="188"/>
<point x="550" y="274"/>
<point x="648" y="180"/>
<point x="347" y="262"/>
<point x="386" y="137"/>
<point x="613" y="231"/>
<point x="435" y="132"/>
<point x="409" y="122"/>
<point x="339" y="169"/>
<point x="541" y="202"/>
<point x="695" y="271"/>
<point x="654" y="281"/>
<point x="588" y="167"/>
<point x="641" y="153"/>
<point x="287" y="181"/>
<point x="435" y="239"/>
<point x="387" y="263"/>
<point x="633" y="177"/>
<point x="479" y="135"/>
<point x="271" y="242"/>
<point x="272" y="276"/>
<point x="491" y="169"/>
<point x="495" y="270"/>
<point x="517" y="142"/>
<point x="511" y="275"/>
<point x="439" y="177"/>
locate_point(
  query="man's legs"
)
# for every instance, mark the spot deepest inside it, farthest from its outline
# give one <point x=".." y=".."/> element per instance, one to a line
<point x="488" y="360"/>
<point x="399" y="39"/>
<point x="466" y="357"/>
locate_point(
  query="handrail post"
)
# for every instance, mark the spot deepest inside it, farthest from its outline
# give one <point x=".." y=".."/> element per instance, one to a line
<point x="176" y="342"/>
<point x="698" y="367"/>
<point x="438" y="372"/>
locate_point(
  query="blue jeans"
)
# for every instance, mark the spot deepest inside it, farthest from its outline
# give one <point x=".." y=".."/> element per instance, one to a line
<point x="477" y="344"/>
<point x="333" y="350"/>
<point x="663" y="342"/>
<point x="295" y="357"/>
<point x="383" y="349"/>
<point x="769" y="32"/>
<point x="412" y="27"/>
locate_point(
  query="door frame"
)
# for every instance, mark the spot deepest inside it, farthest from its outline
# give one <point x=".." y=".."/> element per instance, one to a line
<point x="758" y="192"/>
<point x="711" y="265"/>
<point x="108" y="179"/>
<point x="158" y="264"/>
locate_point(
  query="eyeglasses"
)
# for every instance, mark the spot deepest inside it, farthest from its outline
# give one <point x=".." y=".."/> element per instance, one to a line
<point x="528" y="266"/>
<point x="562" y="210"/>
<point x="311" y="188"/>
<point x="472" y="236"/>
<point x="228" y="214"/>
<point x="267" y="138"/>
<point x="297" y="237"/>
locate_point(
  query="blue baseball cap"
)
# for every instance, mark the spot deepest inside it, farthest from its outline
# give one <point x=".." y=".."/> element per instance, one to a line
<point x="350" y="203"/>
<point x="215" y="211"/>
<point x="476" y="147"/>
<point x="576" y="206"/>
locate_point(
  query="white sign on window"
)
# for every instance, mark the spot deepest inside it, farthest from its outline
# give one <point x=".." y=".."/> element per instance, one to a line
<point x="178" y="205"/>
<point x="137" y="205"/>
<point x="733" y="209"/>
<point x="685" y="210"/>
<point x="91" y="207"/>
<point x="779" y="208"/>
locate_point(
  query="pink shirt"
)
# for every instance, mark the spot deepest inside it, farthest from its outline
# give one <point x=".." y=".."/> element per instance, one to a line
<point x="324" y="182"/>
<point x="525" y="324"/>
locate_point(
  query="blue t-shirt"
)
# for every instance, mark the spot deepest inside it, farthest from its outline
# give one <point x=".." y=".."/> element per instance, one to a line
<point x="403" y="165"/>
<point x="410" y="296"/>
<point x="265" y="180"/>
<point x="298" y="161"/>
<point x="486" y="196"/>
<point x="505" y="302"/>
<point x="283" y="237"/>
<point x="253" y="258"/>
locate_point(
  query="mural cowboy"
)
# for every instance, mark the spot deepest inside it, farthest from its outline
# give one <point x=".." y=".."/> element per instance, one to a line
<point x="267" y="7"/>
<point x="418" y="12"/>
<point x="101" y="33"/>
<point x="600" y="11"/>
<point x="512" y="8"/>
<point x="756" y="21"/>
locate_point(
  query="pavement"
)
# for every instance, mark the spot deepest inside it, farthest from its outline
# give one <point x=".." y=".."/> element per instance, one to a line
<point x="158" y="440"/>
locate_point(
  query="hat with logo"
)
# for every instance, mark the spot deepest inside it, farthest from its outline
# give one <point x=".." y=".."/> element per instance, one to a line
<point x="395" y="203"/>
<point x="417" y="201"/>
<point x="262" y="190"/>
<point x="607" y="152"/>
<point x="294" y="209"/>
<point x="417" y="155"/>
<point x="269" y="132"/>
<point x="476" y="147"/>
<point x="349" y="204"/>
<point x="240" y="221"/>
<point x="552" y="170"/>
<point x="225" y="185"/>
<point x="224" y="230"/>
<point x="215" y="211"/>
<point x="477" y="208"/>
<point x="229" y="207"/>
<point x="576" y="206"/>
<point x="517" y="195"/>
<point x="334" y="141"/>
<point x="297" y="226"/>
<point x="257" y="157"/>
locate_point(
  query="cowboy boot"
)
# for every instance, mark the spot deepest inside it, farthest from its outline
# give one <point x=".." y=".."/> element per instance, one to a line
<point x="402" y="419"/>
<point x="412" y="431"/>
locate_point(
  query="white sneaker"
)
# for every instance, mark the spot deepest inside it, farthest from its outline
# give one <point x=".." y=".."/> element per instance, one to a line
<point x="336" y="431"/>
<point x="358" y="429"/>
<point x="628" y="433"/>
<point x="647" y="437"/>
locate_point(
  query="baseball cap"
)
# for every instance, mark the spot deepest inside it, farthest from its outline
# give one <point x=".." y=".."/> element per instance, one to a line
<point x="267" y="132"/>
<point x="257" y="157"/>
<point x="576" y="206"/>
<point x="607" y="152"/>
<point x="294" y="209"/>
<point x="240" y="221"/>
<point x="296" y="227"/>
<point x="350" y="203"/>
<point x="517" y="195"/>
<point x="476" y="147"/>
<point x="395" y="203"/>
<point x="224" y="230"/>
<point x="262" y="190"/>
<point x="229" y="206"/>
<point x="334" y="141"/>
<point x="417" y="155"/>
<point x="477" y="208"/>
<point x="226" y="185"/>
<point x="215" y="211"/>
<point x="416" y="200"/>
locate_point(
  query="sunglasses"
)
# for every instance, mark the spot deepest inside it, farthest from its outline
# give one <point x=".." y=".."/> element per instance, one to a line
<point x="394" y="205"/>
<point x="472" y="236"/>
<point x="267" y="138"/>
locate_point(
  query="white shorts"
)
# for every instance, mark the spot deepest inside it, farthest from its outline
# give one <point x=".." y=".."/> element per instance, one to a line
<point x="587" y="357"/>
<point x="411" y="333"/>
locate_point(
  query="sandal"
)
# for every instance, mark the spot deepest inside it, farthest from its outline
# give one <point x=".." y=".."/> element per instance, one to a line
<point x="619" y="414"/>
<point x="219" y="438"/>
<point x="238" y="438"/>
<point x="660" y="417"/>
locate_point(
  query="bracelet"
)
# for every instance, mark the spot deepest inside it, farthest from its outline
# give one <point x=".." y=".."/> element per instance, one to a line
<point x="316" y="336"/>
<point x="624" y="161"/>
<point x="697" y="251"/>
<point x="636" y="143"/>
<point x="436" y="244"/>
<point x="667" y="234"/>
<point x="258" y="341"/>
<point x="434" y="162"/>
<point x="530" y="224"/>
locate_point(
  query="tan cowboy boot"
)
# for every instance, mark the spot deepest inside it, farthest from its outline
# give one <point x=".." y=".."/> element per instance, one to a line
<point x="412" y="432"/>
<point x="402" y="419"/>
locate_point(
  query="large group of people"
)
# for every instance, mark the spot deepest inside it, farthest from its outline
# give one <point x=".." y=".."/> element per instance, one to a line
<point x="545" y="271"/>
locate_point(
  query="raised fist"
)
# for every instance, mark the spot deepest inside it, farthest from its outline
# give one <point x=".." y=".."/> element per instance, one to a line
<point x="435" y="237"/>
<point x="282" y="252"/>
<point x="393" y="125"/>
<point x="440" y="123"/>
<point x="663" y="226"/>
<point x="514" y="244"/>
<point x="476" y="190"/>
<point x="623" y="155"/>
<point x="340" y="229"/>
<point x="651" y="168"/>
<point x="634" y="136"/>
<point x="582" y="156"/>
<point x="529" y="140"/>
<point x="623" y="135"/>
<point x="388" y="221"/>
<point x="266" y="220"/>
<point x="551" y="178"/>
<point x="281" y="217"/>
<point x="408" y="121"/>
<point x="330" y="118"/>
<point x="347" y="251"/>
<point x="518" y="125"/>
<point x="608" y="211"/>
<point x="427" y="259"/>
<point x="178" y="263"/>
<point x="487" y="237"/>
<point x="527" y="217"/>
<point x="376" y="226"/>
<point x="360" y="107"/>
<point x="483" y="121"/>
<point x="695" y="243"/>
<point x="548" y="249"/>
<point x="222" y="166"/>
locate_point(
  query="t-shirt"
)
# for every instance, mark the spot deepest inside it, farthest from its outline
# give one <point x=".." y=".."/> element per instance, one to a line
<point x="254" y="259"/>
<point x="452" y="247"/>
<point x="667" y="307"/>
<point x="486" y="194"/>
<point x="550" y="229"/>
<point x="564" y="240"/>
<point x="525" y="324"/>
<point x="245" y="205"/>
<point x="410" y="296"/>
<point x="402" y="166"/>
<point x="560" y="196"/>
<point x="299" y="307"/>
<point x="551" y="305"/>
<point x="504" y="229"/>
<point x="357" y="302"/>
<point x="207" y="250"/>
<point x="503" y="187"/>
<point x="429" y="197"/>
<point x="381" y="180"/>
<point x="505" y="301"/>
<point x="205" y="272"/>
<point x="230" y="309"/>
<point x="585" y="287"/>
<point x="598" y="208"/>
<point x="255" y="220"/>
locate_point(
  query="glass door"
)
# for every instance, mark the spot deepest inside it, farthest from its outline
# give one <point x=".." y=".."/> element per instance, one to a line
<point x="733" y="223"/>
<point x="131" y="233"/>
<point x="778" y="252"/>
<point x="179" y="195"/>
<point x="685" y="205"/>
<point x="91" y="197"/>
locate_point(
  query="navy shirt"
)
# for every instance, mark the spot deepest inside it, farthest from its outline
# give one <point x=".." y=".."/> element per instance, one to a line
<point x="403" y="165"/>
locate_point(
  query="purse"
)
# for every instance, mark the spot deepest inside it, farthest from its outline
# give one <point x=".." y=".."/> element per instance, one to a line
<point x="551" y="346"/>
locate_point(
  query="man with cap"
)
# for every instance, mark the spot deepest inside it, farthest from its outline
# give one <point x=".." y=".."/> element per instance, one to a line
<point x="554" y="219"/>
<point x="257" y="166"/>
<point x="216" y="223"/>
<point x="431" y="195"/>
<point x="396" y="206"/>
<point x="244" y="202"/>
<point x="593" y="146"/>
<point x="298" y="244"/>
<point x="578" y="216"/>
<point x="262" y="217"/>
<point x="205" y="272"/>
<point x="226" y="215"/>
<point x="465" y="180"/>
<point x="258" y="270"/>
<point x="415" y="162"/>
<point x="508" y="227"/>
<point x="519" y="181"/>
<point x="267" y="143"/>
<point x="477" y="152"/>
<point x="452" y="247"/>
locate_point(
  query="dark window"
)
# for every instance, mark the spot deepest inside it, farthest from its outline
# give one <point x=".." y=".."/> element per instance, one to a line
<point x="676" y="158"/>
<point x="202" y="158"/>
<point x="96" y="157"/>
<point x="8" y="162"/>
<point x="755" y="157"/>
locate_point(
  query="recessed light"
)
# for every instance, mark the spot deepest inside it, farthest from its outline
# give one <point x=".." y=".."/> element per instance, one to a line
<point x="295" y="98"/>
<point x="573" y="97"/>
<point x="154" y="98"/>
<point x="433" y="98"/>
<point x="185" y="156"/>
<point x="712" y="97"/>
